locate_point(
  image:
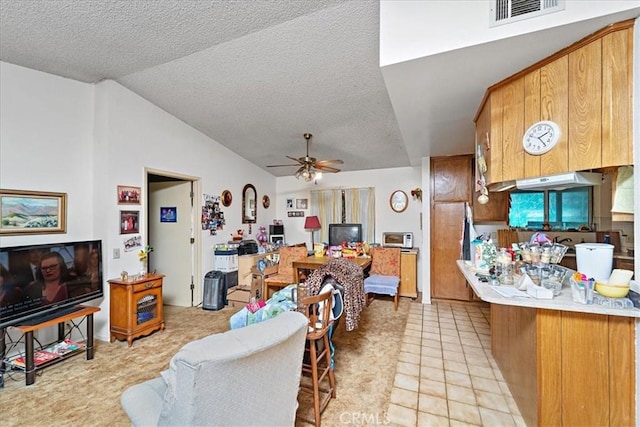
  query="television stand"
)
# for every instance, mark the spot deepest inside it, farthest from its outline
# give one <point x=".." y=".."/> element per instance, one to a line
<point x="27" y="330"/>
<point x="53" y="315"/>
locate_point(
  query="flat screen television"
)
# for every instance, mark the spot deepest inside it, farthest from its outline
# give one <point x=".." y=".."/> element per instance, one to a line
<point x="339" y="233"/>
<point x="44" y="280"/>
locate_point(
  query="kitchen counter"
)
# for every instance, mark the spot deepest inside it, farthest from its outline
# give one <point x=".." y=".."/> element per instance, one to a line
<point x="566" y="364"/>
<point x="562" y="302"/>
<point x="616" y="255"/>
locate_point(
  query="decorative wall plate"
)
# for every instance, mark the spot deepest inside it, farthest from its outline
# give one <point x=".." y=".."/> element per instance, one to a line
<point x="398" y="201"/>
<point x="266" y="202"/>
<point x="226" y="198"/>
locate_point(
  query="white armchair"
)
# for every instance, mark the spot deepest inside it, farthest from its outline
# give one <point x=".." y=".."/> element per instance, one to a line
<point x="246" y="376"/>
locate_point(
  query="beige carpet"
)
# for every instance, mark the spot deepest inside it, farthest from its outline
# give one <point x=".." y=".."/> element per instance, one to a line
<point x="78" y="392"/>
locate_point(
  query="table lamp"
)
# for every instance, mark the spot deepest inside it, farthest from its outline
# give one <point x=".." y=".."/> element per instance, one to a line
<point x="312" y="223"/>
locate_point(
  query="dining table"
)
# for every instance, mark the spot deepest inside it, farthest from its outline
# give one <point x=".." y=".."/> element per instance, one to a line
<point x="315" y="262"/>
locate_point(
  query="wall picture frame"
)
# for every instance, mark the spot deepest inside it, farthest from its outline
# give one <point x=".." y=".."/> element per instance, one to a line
<point x="226" y="198"/>
<point x="128" y="195"/>
<point x="295" y="214"/>
<point x="32" y="212"/>
<point x="129" y="222"/>
<point x="301" y="203"/>
<point x="168" y="214"/>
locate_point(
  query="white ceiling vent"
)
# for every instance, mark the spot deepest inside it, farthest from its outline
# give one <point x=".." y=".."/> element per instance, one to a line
<point x="507" y="11"/>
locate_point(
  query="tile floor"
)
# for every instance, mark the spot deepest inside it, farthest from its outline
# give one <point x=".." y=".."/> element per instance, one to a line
<point x="446" y="375"/>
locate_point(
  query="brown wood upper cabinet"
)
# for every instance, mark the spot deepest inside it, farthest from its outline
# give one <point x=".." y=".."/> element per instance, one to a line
<point x="452" y="179"/>
<point x="584" y="88"/>
<point x="497" y="209"/>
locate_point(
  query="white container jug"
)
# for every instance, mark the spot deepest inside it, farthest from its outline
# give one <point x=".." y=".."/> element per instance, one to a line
<point x="595" y="260"/>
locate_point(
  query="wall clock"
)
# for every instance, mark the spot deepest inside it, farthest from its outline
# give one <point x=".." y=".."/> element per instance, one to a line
<point x="398" y="201"/>
<point x="541" y="137"/>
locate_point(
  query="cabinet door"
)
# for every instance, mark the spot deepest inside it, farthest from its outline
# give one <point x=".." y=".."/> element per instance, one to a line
<point x="483" y="140"/>
<point x="585" y="103"/>
<point x="408" y="275"/>
<point x="617" y="71"/>
<point x="451" y="178"/>
<point x="554" y="105"/>
<point x="569" y="262"/>
<point x="446" y="229"/>
<point x="495" y="150"/>
<point x="512" y="130"/>
<point x="531" y="116"/>
<point x="497" y="209"/>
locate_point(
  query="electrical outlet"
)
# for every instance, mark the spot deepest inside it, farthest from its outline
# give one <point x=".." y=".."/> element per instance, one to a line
<point x="494" y="236"/>
<point x="116" y="253"/>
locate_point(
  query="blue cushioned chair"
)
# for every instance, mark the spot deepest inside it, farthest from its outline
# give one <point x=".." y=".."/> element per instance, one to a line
<point x="384" y="276"/>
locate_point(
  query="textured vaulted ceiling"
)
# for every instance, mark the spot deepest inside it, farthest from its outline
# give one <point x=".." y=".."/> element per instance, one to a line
<point x="256" y="75"/>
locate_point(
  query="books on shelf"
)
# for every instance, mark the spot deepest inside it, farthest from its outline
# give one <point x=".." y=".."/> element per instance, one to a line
<point x="39" y="357"/>
<point x="66" y="346"/>
<point x="52" y="352"/>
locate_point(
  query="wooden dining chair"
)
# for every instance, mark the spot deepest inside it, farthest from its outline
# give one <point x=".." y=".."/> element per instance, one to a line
<point x="284" y="277"/>
<point x="317" y="369"/>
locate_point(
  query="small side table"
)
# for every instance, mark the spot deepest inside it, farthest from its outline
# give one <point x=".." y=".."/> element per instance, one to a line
<point x="136" y="307"/>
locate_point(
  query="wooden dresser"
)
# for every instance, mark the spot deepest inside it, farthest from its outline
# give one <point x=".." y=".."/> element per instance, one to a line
<point x="136" y="307"/>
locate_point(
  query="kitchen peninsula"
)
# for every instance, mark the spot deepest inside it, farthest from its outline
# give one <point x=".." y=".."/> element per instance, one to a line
<point x="565" y="363"/>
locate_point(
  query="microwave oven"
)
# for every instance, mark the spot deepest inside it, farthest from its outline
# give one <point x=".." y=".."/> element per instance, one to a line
<point x="397" y="239"/>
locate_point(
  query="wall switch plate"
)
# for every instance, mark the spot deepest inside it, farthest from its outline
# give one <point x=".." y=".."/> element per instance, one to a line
<point x="116" y="253"/>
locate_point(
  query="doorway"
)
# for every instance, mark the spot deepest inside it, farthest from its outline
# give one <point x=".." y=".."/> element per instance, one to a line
<point x="171" y="229"/>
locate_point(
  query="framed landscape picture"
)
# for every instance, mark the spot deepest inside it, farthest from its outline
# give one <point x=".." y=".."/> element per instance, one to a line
<point x="129" y="222"/>
<point x="32" y="212"/>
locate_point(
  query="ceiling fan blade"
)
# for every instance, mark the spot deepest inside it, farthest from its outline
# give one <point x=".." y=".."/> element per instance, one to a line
<point x="326" y="168"/>
<point x="279" y="166"/>
<point x="300" y="160"/>
<point x="327" y="162"/>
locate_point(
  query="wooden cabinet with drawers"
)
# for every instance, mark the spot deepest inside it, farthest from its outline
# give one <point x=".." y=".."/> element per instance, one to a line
<point x="136" y="307"/>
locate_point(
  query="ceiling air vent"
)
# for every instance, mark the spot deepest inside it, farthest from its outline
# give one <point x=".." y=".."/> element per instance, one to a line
<point x="507" y="11"/>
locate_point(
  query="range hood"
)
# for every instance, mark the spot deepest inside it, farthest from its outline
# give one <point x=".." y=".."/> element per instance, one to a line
<point x="561" y="181"/>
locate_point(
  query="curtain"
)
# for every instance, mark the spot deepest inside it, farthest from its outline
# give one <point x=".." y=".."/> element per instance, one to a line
<point x="358" y="208"/>
<point x="359" y="204"/>
<point x="327" y="206"/>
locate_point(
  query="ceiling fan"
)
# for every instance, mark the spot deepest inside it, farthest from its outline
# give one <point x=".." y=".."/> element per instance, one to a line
<point x="309" y="168"/>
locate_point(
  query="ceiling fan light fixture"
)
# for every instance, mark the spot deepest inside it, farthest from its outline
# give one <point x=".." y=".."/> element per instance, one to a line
<point x="309" y="167"/>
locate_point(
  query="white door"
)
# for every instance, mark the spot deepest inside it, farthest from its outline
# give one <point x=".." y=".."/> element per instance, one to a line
<point x="170" y="240"/>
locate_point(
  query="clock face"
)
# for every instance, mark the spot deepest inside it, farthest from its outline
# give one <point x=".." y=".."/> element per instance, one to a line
<point x="541" y="137"/>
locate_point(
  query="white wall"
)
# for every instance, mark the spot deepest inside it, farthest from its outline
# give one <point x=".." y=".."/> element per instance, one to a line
<point x="414" y="29"/>
<point x="46" y="144"/>
<point x="385" y="181"/>
<point x="61" y="135"/>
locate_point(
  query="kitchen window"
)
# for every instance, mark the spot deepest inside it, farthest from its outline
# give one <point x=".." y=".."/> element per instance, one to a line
<point x="561" y="209"/>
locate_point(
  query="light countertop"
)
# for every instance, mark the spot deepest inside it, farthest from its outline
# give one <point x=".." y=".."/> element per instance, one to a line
<point x="562" y="302"/>
<point x="616" y="255"/>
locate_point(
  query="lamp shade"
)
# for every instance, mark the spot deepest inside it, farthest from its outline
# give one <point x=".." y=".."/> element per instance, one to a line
<point x="311" y="223"/>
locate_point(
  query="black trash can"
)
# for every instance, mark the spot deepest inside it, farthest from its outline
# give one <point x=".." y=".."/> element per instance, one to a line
<point x="215" y="291"/>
